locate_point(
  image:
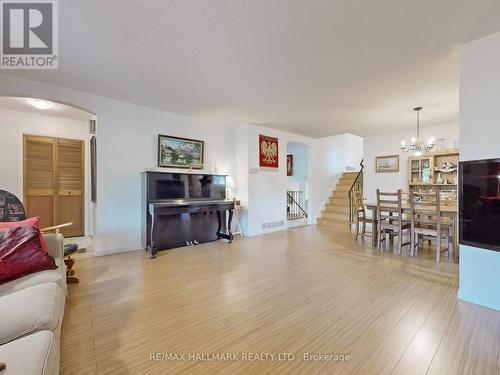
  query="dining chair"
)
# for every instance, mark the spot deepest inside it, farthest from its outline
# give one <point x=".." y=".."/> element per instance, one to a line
<point x="390" y="219"/>
<point x="427" y="222"/>
<point x="361" y="218"/>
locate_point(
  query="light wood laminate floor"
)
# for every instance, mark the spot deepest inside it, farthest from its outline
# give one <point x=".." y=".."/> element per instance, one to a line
<point x="305" y="290"/>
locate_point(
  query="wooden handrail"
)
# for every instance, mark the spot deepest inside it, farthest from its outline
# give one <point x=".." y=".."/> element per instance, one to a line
<point x="296" y="203"/>
<point x="351" y="198"/>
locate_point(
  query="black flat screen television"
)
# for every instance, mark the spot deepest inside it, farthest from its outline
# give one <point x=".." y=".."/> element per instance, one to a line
<point x="480" y="203"/>
<point x="165" y="186"/>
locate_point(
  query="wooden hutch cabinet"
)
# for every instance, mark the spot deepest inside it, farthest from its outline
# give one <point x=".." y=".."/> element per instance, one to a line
<point x="435" y="171"/>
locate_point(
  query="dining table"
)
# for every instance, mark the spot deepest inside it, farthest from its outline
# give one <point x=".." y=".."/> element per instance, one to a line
<point x="447" y="210"/>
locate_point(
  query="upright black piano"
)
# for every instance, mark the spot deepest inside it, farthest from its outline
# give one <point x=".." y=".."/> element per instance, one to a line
<point x="183" y="209"/>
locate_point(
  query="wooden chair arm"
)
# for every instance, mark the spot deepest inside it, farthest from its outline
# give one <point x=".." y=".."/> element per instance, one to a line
<point x="56" y="227"/>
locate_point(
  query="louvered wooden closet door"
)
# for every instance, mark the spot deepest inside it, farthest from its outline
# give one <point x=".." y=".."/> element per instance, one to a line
<point x="54" y="182"/>
<point x="70" y="185"/>
<point x="39" y="178"/>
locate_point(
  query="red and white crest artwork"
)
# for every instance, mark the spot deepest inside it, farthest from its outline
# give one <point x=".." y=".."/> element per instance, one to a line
<point x="268" y="151"/>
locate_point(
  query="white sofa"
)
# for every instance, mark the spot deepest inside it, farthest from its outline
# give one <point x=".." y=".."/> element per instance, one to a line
<point x="32" y="314"/>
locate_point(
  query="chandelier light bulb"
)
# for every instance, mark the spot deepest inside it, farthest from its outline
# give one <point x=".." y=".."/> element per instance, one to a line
<point x="416" y="146"/>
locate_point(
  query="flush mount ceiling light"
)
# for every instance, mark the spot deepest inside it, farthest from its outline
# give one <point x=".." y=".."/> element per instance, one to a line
<point x="40" y="104"/>
<point x="417" y="146"/>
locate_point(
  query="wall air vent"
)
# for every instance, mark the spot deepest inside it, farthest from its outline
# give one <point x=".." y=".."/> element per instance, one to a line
<point x="273" y="224"/>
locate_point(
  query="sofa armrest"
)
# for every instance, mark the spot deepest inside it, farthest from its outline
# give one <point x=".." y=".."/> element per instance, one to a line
<point x="55" y="245"/>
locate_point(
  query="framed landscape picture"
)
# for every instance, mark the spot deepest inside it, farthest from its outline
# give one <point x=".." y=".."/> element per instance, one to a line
<point x="175" y="152"/>
<point x="387" y="164"/>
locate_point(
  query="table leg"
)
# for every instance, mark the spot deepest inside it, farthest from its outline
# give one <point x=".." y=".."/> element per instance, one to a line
<point x="237" y="225"/>
<point x="229" y="234"/>
<point x="374" y="228"/>
<point x="152" y="243"/>
<point x="219" y="223"/>
<point x="229" y="226"/>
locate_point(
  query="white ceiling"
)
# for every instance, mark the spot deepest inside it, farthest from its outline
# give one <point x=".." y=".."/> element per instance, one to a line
<point x="57" y="109"/>
<point x="314" y="67"/>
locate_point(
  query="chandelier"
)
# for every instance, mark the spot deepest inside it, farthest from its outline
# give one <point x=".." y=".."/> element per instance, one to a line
<point x="415" y="145"/>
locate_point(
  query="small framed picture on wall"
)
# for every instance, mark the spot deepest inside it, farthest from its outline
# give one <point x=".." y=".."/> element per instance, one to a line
<point x="387" y="164"/>
<point x="289" y="165"/>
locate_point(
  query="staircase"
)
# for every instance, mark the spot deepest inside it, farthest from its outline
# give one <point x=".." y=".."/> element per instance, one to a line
<point x="336" y="213"/>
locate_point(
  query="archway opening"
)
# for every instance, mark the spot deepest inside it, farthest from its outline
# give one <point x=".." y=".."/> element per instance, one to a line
<point x="298" y="190"/>
<point x="48" y="163"/>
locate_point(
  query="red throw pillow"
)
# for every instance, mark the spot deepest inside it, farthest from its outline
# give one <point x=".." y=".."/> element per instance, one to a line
<point x="21" y="253"/>
<point x="32" y="221"/>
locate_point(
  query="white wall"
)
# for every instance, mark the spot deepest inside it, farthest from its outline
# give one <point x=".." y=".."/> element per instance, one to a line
<point x="127" y="145"/>
<point x="300" y="175"/>
<point x="388" y="144"/>
<point x="479" y="139"/>
<point x="328" y="157"/>
<point x="331" y="156"/>
<point x="240" y="176"/>
<point x="267" y="188"/>
<point x="13" y="124"/>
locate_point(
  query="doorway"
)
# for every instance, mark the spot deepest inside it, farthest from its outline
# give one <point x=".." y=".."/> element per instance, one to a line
<point x="54" y="182"/>
<point x="297" y="195"/>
